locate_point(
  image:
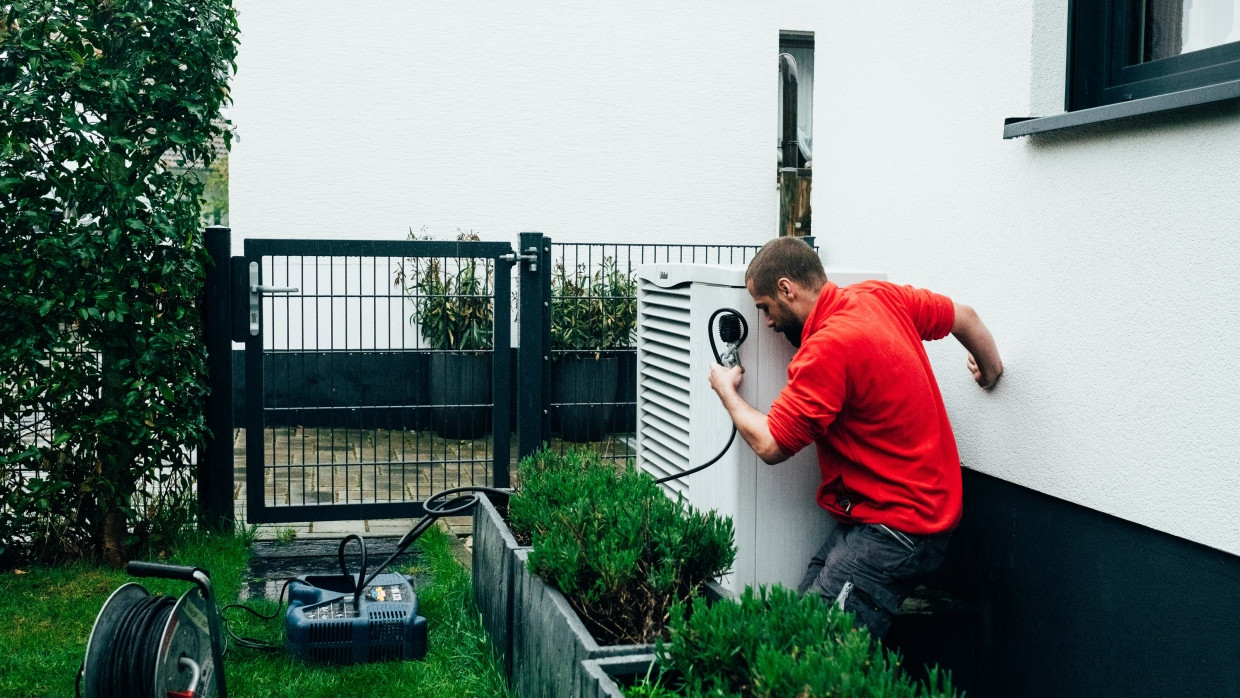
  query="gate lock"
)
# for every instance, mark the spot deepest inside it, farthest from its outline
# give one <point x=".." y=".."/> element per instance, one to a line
<point x="256" y="291"/>
<point x="530" y="257"/>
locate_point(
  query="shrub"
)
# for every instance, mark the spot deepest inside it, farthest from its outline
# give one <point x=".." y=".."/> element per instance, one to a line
<point x="592" y="312"/>
<point x="620" y="551"/>
<point x="773" y="643"/>
<point x="101" y="260"/>
<point x="452" y="299"/>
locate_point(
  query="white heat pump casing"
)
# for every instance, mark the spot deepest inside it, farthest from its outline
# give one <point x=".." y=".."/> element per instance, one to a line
<point x="681" y="423"/>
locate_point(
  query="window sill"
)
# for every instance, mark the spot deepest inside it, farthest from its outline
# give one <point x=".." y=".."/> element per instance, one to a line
<point x="1025" y="126"/>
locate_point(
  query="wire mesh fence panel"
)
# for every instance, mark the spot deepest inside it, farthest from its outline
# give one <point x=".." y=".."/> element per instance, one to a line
<point x="375" y="377"/>
<point x="593" y="305"/>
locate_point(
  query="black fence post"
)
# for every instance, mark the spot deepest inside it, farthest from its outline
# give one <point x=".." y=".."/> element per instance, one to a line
<point x="809" y="240"/>
<point x="533" y="355"/>
<point x="215" y="460"/>
<point x="544" y="272"/>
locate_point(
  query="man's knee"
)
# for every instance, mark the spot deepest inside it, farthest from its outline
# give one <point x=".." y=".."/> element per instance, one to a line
<point x="856" y="599"/>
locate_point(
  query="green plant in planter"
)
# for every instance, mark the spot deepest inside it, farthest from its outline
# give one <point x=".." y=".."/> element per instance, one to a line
<point x="453" y="307"/>
<point x="620" y="551"/>
<point x="452" y="300"/>
<point x="773" y="643"/>
<point x="592" y="313"/>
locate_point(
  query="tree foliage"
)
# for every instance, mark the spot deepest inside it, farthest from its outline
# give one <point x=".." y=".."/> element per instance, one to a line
<point x="101" y="258"/>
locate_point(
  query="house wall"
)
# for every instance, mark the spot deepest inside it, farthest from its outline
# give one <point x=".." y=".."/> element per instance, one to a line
<point x="1100" y="532"/>
<point x="1097" y="555"/>
<point x="1103" y="259"/>
<point x="624" y="121"/>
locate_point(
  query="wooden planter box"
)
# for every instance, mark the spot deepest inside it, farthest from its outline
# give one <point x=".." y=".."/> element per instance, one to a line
<point x="551" y="645"/>
<point x="601" y="674"/>
<point x="550" y="642"/>
<point x="543" y="645"/>
<point x="494" y="565"/>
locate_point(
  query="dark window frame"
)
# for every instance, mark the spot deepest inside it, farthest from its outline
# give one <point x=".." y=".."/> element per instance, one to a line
<point x="1102" y="40"/>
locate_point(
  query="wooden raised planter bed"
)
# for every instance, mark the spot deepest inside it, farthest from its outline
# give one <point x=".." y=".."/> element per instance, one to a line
<point x="550" y="642"/>
<point x="603" y="676"/>
<point x="494" y="565"/>
<point x="542" y="643"/>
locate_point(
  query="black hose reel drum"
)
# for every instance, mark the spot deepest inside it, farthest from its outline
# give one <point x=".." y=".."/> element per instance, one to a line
<point x="145" y="646"/>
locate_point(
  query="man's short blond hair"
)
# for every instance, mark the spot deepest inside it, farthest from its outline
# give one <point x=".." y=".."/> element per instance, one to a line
<point x="785" y="257"/>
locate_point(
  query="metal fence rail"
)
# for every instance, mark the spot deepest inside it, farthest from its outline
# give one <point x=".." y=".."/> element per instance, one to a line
<point x="593" y="382"/>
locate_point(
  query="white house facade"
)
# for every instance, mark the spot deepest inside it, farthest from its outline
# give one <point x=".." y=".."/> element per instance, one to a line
<point x="1099" y="549"/>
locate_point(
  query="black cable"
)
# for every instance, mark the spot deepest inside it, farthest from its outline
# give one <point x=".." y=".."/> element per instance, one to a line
<point x="254" y="643"/>
<point x="730" y="329"/>
<point x="128" y="669"/>
<point x="344" y="570"/>
<point x="707" y="464"/>
<point x="456" y="505"/>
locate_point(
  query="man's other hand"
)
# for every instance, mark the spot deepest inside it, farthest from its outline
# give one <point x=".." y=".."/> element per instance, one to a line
<point x="986" y="379"/>
<point x="725" y="381"/>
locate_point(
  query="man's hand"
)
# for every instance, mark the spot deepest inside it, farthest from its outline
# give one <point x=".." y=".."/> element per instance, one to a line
<point x="725" y="381"/>
<point x="986" y="381"/>
<point x="750" y="423"/>
<point x="984" y="362"/>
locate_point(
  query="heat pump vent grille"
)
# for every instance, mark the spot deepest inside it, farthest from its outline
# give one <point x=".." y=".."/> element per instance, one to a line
<point x="664" y="429"/>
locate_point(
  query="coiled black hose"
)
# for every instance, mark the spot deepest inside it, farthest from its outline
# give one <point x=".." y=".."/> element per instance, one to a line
<point x="134" y="650"/>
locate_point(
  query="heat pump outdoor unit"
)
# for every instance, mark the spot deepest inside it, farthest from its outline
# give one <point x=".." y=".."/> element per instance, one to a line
<point x="681" y="423"/>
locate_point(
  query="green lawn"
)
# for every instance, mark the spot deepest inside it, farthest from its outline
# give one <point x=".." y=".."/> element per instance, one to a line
<point x="48" y="615"/>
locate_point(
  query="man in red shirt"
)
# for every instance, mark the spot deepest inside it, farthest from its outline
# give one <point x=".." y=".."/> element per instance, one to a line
<point x="861" y="389"/>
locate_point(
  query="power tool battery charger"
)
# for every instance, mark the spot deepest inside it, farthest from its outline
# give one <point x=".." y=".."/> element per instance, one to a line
<point x="329" y="622"/>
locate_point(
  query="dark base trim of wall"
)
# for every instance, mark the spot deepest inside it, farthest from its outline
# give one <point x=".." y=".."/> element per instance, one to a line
<point x="1055" y="599"/>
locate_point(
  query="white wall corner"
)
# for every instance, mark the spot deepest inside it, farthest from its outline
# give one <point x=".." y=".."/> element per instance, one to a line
<point x="1049" y="57"/>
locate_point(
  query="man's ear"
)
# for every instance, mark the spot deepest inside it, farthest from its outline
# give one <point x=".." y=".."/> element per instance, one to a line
<point x="786" y="288"/>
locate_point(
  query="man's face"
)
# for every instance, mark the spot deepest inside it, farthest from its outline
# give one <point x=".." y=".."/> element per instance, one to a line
<point x="779" y="316"/>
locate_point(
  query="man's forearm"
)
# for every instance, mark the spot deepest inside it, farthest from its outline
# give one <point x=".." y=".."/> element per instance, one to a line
<point x="751" y="424"/>
<point x="973" y="334"/>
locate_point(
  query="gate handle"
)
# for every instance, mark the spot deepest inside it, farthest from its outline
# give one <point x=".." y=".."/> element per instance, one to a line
<point x="256" y="291"/>
<point x="274" y="289"/>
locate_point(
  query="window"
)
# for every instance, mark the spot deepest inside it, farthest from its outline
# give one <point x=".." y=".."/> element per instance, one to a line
<point x="1124" y="50"/>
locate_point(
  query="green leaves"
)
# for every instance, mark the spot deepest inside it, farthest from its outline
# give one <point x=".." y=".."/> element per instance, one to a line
<point x="592" y="312"/>
<point x="103" y="375"/>
<point x="453" y="304"/>
<point x="773" y="643"/>
<point x="618" y="548"/>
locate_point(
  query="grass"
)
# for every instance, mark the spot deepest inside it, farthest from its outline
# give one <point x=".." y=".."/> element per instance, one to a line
<point x="49" y="613"/>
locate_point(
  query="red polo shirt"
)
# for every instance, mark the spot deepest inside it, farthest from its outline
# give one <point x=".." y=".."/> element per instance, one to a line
<point x="861" y="389"/>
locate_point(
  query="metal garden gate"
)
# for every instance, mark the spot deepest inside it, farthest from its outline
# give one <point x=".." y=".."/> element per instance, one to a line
<point x="361" y="400"/>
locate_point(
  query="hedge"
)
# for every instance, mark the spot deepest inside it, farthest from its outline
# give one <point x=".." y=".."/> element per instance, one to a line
<point x="102" y="262"/>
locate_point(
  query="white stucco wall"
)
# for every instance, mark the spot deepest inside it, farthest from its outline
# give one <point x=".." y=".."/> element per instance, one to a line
<point x="1103" y="260"/>
<point x="636" y="120"/>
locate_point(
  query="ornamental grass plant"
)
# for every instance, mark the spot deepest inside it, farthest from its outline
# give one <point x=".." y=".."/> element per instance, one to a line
<point x="618" y="548"/>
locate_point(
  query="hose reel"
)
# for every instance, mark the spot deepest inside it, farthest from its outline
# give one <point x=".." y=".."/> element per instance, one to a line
<point x="147" y="646"/>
